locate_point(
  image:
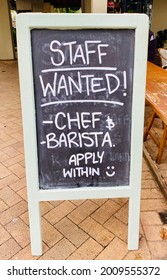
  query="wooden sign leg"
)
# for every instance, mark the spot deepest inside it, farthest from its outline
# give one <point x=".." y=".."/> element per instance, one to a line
<point x="35" y="228"/>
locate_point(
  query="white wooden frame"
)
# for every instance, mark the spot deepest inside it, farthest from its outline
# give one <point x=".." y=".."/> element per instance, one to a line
<point x="25" y="23"/>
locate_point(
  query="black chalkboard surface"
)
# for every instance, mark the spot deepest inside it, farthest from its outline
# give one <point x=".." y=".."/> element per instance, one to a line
<point x="83" y="98"/>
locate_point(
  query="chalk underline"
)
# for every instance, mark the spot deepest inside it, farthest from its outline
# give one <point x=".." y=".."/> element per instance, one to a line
<point x="82" y="101"/>
<point x="79" y="68"/>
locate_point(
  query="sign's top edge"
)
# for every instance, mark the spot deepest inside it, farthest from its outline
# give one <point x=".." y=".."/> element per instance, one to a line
<point x="82" y="15"/>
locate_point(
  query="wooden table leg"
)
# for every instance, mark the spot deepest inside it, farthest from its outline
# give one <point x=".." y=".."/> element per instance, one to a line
<point x="162" y="144"/>
<point x="149" y="125"/>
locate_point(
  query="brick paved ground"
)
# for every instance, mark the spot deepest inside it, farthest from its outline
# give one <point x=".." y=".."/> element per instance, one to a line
<point x="85" y="229"/>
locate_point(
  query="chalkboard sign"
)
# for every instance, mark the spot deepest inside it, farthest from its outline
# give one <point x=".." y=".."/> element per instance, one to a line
<point x="83" y="85"/>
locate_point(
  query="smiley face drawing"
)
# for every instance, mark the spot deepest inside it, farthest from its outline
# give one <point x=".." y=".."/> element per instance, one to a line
<point x="110" y="172"/>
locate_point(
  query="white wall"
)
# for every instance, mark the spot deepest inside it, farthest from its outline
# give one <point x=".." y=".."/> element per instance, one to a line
<point x="159" y="15"/>
<point x="6" y="39"/>
<point x="98" y="6"/>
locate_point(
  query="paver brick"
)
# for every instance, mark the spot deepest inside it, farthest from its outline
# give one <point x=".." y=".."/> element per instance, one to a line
<point x="19" y="231"/>
<point x="117" y="227"/>
<point x="18" y="185"/>
<point x="56" y="202"/>
<point x="82" y="211"/>
<point x="61" y="251"/>
<point x="158" y="250"/>
<point x="25" y="217"/>
<point x="147" y="175"/>
<point x="116" y="250"/>
<point x="8" y="143"/>
<point x="25" y="253"/>
<point x="153" y="232"/>
<point x="13" y="212"/>
<point x="145" y="165"/>
<point x="123" y="213"/>
<point x="8" y="180"/>
<point x="72" y="232"/>
<point x="23" y="193"/>
<point x="153" y="204"/>
<point x="18" y="170"/>
<point x="3" y="157"/>
<point x="4" y="235"/>
<point x="11" y="151"/>
<point x="45" y="207"/>
<point x="97" y="231"/>
<point x="4" y="171"/>
<point x="9" y="196"/>
<point x="149" y="184"/>
<point x="120" y="200"/>
<point x="99" y="202"/>
<point x="59" y="212"/>
<point x="3" y="206"/>
<point x="9" y="249"/>
<point x="143" y="253"/>
<point x="150" y="218"/>
<point x="50" y="235"/>
<point x="78" y="202"/>
<point x="87" y="251"/>
<point x="102" y="214"/>
<point x="151" y="193"/>
<point x="13" y="160"/>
